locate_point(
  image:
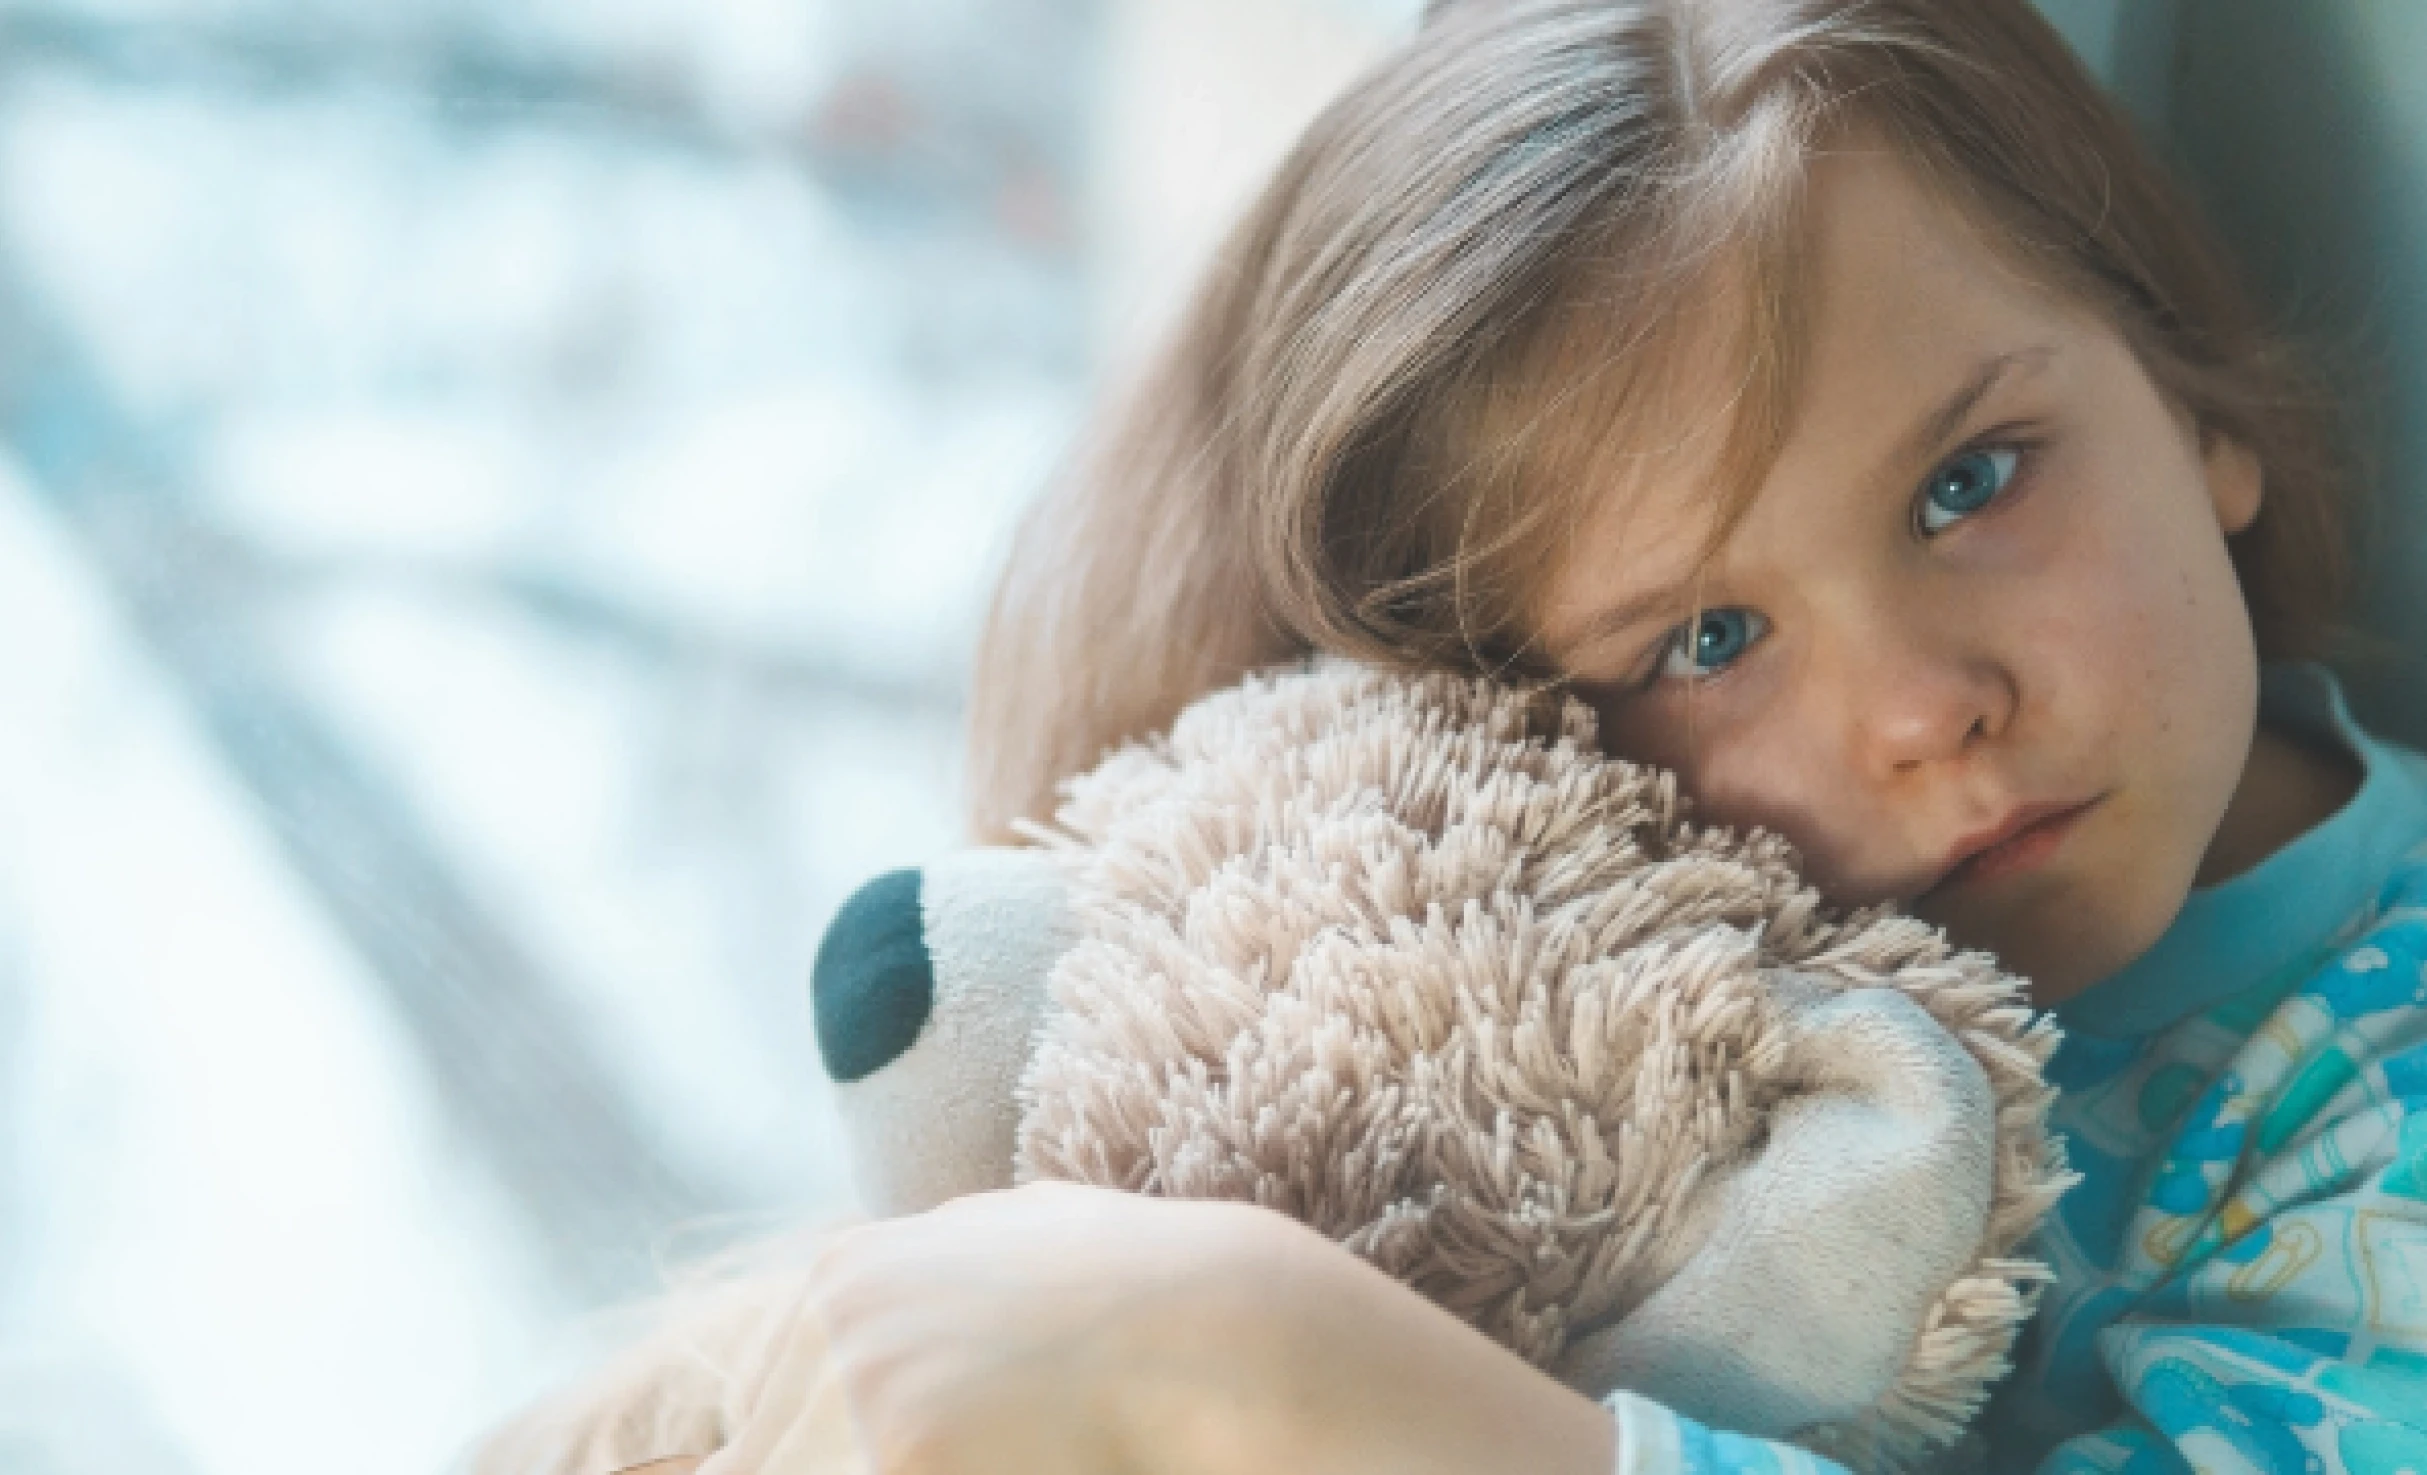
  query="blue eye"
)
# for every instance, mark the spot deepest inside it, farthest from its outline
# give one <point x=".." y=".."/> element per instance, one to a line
<point x="1962" y="487"/>
<point x="1713" y="642"/>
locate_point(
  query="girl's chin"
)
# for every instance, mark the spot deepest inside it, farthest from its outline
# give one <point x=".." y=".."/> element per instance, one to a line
<point x="2050" y="953"/>
<point x="2049" y="989"/>
<point x="2059" y="957"/>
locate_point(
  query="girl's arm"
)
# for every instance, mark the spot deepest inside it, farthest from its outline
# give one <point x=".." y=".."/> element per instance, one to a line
<point x="1086" y="1331"/>
<point x="1090" y="1331"/>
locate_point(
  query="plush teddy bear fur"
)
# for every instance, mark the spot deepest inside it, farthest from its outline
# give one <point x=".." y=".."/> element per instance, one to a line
<point x="1410" y="960"/>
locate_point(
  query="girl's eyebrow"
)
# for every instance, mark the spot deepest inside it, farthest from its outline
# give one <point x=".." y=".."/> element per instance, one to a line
<point x="1935" y="429"/>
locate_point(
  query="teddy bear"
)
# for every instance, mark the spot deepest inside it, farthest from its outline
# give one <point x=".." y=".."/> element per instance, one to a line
<point x="1410" y="958"/>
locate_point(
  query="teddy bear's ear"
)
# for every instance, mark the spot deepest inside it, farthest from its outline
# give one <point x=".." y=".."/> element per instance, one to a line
<point x="928" y="990"/>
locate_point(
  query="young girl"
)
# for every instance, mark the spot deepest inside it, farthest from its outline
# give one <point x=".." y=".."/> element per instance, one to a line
<point x="1831" y="392"/>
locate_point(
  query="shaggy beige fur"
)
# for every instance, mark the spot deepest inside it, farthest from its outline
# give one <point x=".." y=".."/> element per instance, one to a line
<point x="1409" y="960"/>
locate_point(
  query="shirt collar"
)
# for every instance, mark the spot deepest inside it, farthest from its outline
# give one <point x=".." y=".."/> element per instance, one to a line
<point x="2275" y="918"/>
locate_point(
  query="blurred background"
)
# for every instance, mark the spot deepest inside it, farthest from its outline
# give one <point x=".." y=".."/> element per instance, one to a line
<point x="494" y="502"/>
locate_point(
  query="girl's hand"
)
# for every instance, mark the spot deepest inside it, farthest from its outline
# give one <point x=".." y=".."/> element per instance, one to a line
<point x="1081" y="1331"/>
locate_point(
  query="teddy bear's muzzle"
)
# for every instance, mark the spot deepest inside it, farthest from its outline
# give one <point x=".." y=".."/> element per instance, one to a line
<point x="1827" y="1247"/>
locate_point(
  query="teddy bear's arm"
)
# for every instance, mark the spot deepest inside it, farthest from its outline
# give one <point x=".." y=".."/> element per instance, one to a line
<point x="928" y="990"/>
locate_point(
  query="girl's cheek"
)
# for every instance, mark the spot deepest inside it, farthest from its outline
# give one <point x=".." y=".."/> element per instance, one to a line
<point x="1711" y="736"/>
<point x="1768" y="772"/>
<point x="2091" y="603"/>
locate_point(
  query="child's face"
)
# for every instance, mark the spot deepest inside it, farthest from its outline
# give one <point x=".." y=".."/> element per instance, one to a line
<point x="1983" y="593"/>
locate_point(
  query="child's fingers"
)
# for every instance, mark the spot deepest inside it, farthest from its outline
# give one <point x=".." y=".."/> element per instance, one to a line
<point x="794" y="1415"/>
<point x="814" y="1437"/>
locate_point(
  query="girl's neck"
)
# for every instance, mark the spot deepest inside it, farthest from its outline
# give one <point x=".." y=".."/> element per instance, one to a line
<point x="2288" y="788"/>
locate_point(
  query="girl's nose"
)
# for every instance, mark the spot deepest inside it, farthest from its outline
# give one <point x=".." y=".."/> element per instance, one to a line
<point x="1923" y="695"/>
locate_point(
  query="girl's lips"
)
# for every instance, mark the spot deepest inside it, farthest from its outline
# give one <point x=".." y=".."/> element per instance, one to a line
<point x="2025" y="840"/>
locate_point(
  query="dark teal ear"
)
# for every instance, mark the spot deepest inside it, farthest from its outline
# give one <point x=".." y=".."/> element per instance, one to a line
<point x="874" y="984"/>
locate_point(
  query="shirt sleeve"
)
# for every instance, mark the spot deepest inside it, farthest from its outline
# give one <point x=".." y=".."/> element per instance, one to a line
<point x="1655" y="1440"/>
<point x="2275" y="1269"/>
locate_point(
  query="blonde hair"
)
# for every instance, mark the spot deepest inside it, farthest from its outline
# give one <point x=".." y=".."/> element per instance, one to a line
<point x="1393" y="387"/>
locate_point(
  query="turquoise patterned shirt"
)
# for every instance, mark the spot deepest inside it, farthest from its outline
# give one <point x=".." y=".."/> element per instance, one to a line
<point x="2241" y="1275"/>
